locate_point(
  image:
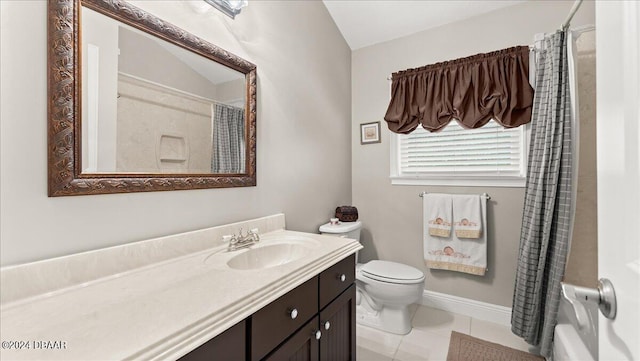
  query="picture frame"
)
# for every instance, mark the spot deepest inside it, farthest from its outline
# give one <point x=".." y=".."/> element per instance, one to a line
<point x="370" y="133"/>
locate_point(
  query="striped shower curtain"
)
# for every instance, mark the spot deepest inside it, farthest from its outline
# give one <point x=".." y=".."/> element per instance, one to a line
<point x="228" y="154"/>
<point x="547" y="219"/>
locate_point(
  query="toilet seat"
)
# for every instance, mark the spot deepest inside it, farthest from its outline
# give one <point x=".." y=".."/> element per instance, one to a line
<point x="391" y="272"/>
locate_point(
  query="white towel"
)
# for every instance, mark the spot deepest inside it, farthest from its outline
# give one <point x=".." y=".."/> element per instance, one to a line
<point x="439" y="215"/>
<point x="455" y="254"/>
<point x="467" y="217"/>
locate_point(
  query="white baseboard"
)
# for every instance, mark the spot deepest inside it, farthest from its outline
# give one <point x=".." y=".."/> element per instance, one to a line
<point x="468" y="307"/>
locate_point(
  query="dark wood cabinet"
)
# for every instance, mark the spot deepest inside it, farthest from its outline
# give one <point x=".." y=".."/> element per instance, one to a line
<point x="338" y="326"/>
<point x="331" y="335"/>
<point x="302" y="346"/>
<point x="228" y="346"/>
<point x="314" y="321"/>
<point x="278" y="320"/>
<point x="336" y="279"/>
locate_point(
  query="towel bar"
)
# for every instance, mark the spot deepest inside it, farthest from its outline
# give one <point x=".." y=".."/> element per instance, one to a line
<point x="488" y="197"/>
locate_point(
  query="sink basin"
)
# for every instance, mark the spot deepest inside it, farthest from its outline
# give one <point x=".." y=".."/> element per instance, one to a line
<point x="271" y="251"/>
<point x="268" y="256"/>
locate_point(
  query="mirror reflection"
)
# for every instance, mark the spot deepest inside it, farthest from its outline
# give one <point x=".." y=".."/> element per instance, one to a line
<point x="149" y="106"/>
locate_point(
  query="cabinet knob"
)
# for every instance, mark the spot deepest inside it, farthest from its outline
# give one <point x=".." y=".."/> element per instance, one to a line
<point x="342" y="277"/>
<point x="327" y="325"/>
<point x="293" y="313"/>
<point x="318" y="334"/>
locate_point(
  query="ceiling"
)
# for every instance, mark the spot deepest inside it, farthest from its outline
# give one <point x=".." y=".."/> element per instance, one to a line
<point x="368" y="22"/>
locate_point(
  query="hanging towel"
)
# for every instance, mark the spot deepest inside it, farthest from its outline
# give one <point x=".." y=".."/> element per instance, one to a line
<point x="452" y="253"/>
<point x="439" y="215"/>
<point x="467" y="219"/>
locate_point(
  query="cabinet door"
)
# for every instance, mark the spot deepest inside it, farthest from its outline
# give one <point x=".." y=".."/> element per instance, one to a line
<point x="302" y="346"/>
<point x="227" y="346"/>
<point x="338" y="326"/>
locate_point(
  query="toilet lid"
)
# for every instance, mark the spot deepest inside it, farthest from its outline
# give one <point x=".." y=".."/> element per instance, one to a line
<point x="392" y="272"/>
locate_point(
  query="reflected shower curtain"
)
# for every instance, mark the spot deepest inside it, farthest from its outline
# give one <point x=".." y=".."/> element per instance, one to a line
<point x="547" y="215"/>
<point x="228" y="154"/>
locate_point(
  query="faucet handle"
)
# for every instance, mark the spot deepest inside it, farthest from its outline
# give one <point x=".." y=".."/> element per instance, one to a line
<point x="254" y="233"/>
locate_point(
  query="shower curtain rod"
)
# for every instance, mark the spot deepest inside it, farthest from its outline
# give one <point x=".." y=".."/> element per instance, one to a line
<point x="572" y="12"/>
<point x="488" y="197"/>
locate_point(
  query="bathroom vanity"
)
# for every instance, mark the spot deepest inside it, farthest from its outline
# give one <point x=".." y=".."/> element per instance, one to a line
<point x="314" y="321"/>
<point x="186" y="297"/>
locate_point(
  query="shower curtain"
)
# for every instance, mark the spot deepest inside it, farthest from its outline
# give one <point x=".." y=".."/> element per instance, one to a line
<point x="228" y="154"/>
<point x="548" y="208"/>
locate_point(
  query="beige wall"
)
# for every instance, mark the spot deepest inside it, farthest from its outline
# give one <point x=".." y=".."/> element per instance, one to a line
<point x="392" y="214"/>
<point x="231" y="92"/>
<point x="136" y="50"/>
<point x="304" y="99"/>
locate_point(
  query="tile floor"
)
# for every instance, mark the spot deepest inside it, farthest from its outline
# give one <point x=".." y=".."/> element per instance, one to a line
<point x="429" y="337"/>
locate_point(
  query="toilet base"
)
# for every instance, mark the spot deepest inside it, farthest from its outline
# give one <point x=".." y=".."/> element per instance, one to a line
<point x="395" y="320"/>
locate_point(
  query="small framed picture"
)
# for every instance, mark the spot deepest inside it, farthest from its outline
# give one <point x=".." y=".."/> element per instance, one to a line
<point x="370" y="133"/>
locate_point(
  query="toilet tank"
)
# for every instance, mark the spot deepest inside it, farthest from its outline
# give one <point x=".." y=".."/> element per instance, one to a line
<point x="343" y="229"/>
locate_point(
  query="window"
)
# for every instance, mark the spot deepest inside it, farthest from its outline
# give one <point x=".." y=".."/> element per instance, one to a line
<point x="487" y="156"/>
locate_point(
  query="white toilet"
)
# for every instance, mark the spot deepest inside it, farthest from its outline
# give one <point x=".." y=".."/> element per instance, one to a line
<point x="384" y="289"/>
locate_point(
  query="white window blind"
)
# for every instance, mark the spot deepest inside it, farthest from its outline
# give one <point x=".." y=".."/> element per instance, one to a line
<point x="490" y="152"/>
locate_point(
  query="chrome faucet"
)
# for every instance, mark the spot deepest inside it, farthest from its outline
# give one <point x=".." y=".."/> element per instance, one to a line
<point x="242" y="240"/>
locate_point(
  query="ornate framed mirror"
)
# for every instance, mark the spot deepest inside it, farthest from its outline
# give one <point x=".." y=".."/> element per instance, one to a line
<point x="137" y="104"/>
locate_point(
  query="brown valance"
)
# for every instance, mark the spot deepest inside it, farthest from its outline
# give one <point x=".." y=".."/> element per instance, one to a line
<point x="473" y="90"/>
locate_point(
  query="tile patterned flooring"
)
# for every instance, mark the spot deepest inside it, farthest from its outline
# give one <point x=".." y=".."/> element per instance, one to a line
<point x="429" y="337"/>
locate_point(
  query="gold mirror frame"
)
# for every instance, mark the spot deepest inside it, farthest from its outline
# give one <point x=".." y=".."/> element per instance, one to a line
<point x="64" y="101"/>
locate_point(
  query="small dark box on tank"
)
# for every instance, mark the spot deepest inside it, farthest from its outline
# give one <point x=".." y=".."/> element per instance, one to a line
<point x="347" y="213"/>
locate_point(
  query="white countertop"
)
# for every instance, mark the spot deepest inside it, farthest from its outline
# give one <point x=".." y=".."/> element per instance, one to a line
<point x="159" y="311"/>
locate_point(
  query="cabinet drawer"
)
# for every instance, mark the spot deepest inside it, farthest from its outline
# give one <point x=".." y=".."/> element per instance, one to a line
<point x="228" y="346"/>
<point x="275" y="322"/>
<point x="336" y="279"/>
